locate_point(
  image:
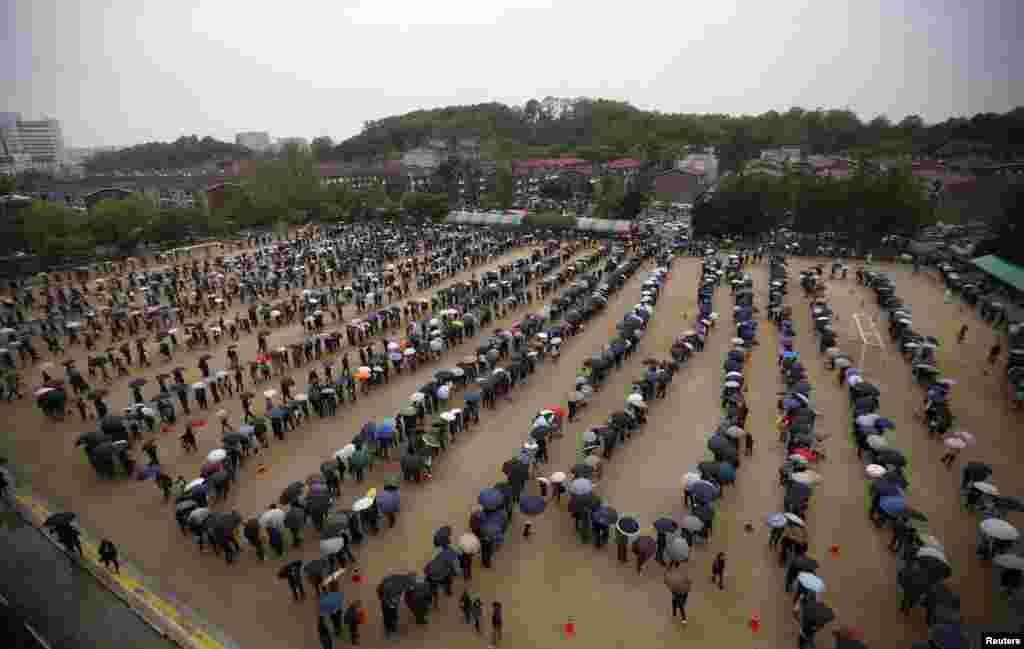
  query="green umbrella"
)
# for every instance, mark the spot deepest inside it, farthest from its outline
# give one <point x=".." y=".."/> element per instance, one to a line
<point x="360" y="458"/>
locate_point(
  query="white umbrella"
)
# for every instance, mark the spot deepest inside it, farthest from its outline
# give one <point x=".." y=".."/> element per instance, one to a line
<point x="692" y="523"/>
<point x="731" y="384"/>
<point x="447" y="416"/>
<point x="955" y="442"/>
<point x="874" y="471"/>
<point x="272" y="518"/>
<point x="999" y="529"/>
<point x="796" y="520"/>
<point x="734" y="375"/>
<point x="199" y="385"/>
<point x="217" y="455"/>
<point x="195" y="483"/>
<point x="677" y="549"/>
<point x="735" y="432"/>
<point x="877" y="441"/>
<point x="362" y="504"/>
<point x="1009" y="561"/>
<point x="558" y="477"/>
<point x="581" y="487"/>
<point x="986" y="488"/>
<point x="635" y="399"/>
<point x="469" y="543"/>
<point x="332" y="545"/>
<point x="345" y="452"/>
<point x="811" y="582"/>
<point x="933" y="552"/>
<point x="807" y="477"/>
<point x="417" y="397"/>
<point x="690" y="478"/>
<point x="270" y="394"/>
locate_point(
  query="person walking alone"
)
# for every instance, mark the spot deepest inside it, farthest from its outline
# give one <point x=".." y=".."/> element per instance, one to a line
<point x="718" y="571"/>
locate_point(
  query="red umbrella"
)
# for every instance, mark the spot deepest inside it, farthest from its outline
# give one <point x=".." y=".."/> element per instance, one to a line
<point x="198" y="423"/>
<point x="558" y="410"/>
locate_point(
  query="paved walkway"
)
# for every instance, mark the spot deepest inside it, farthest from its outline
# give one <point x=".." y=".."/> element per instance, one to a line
<point x="160" y="611"/>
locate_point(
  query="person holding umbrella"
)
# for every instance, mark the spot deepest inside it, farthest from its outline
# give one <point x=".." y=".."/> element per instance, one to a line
<point x="679" y="585"/>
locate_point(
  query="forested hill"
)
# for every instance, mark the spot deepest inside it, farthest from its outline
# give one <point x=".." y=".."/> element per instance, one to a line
<point x="597" y="129"/>
<point x="184" y="153"/>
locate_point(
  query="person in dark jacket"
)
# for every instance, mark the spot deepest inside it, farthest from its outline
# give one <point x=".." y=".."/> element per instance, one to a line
<point x="108" y="555"/>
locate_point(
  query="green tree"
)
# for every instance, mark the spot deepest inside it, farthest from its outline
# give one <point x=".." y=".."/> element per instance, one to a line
<point x="425" y="205"/>
<point x="608" y="197"/>
<point x="322" y="147"/>
<point x="122" y="223"/>
<point x="53" y="229"/>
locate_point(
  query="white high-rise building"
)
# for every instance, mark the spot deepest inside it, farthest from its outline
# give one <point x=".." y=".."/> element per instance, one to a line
<point x="30" y="144"/>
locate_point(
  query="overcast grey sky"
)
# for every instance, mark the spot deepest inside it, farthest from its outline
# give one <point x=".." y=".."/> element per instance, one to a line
<point x="119" y="72"/>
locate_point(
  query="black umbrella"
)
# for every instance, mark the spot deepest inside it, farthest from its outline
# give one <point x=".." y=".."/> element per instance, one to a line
<point x="57" y="520"/>
<point x="222" y="524"/>
<point x="817" y="614"/>
<point x="393" y="586"/>
<point x="179" y="388"/>
<point x="890" y="456"/>
<point x="319" y="503"/>
<point x="438" y="569"/>
<point x="583" y="470"/>
<point x="138" y="383"/>
<point x="804" y="563"/>
<point x="92" y="439"/>
<point x="581" y="504"/>
<point x="234" y="438"/>
<point x="443" y="537"/>
<point x="318" y="567"/>
<point x="514" y="469"/>
<point x="292" y="492"/>
<point x="295" y="519"/>
<point x="932" y="569"/>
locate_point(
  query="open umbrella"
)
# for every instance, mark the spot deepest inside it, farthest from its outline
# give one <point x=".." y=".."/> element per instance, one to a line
<point x="469" y="543"/>
<point x="394" y="586"/>
<point x="645" y="546"/>
<point x="491" y="499"/>
<point x="999" y="529"/>
<point x="811" y="582"/>
<point x="332" y="545"/>
<point x="581" y="487"/>
<point x="692" y="523"/>
<point x="666" y="525"/>
<point x="60" y="519"/>
<point x="677" y="581"/>
<point x="628" y="526"/>
<point x="388" y="501"/>
<point x="532" y="505"/>
<point x="331" y="602"/>
<point x="605" y="516"/>
<point x="272" y="518"/>
<point x="677" y="549"/>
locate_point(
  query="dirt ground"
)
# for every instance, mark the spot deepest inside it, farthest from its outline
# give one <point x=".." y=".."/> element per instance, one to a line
<point x="548" y="579"/>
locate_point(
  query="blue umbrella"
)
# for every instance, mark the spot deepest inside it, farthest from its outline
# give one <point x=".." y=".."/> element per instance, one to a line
<point x="498" y="517"/>
<point x="893" y="505"/>
<point x="790" y="404"/>
<point x="246" y="429"/>
<point x="790" y="355"/>
<point x="605" y="516"/>
<point x="532" y="505"/>
<point x="331" y="602"/>
<point x="388" y="501"/>
<point x="666" y="525"/>
<point x="278" y="413"/>
<point x="726" y="472"/>
<point x="777" y="521"/>
<point x="884" y="424"/>
<point x="703" y="490"/>
<point x="886" y="488"/>
<point x="491" y="499"/>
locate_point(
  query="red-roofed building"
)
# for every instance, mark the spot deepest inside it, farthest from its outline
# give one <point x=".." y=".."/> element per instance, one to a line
<point x="679" y="185"/>
<point x="625" y="164"/>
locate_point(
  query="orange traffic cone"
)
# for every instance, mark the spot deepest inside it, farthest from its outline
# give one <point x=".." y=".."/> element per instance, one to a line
<point x="570" y="628"/>
<point x="755" y="622"/>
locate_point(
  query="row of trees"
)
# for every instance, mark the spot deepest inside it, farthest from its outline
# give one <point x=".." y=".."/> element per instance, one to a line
<point x="600" y="130"/>
<point x="863" y="207"/>
<point x="184" y="153"/>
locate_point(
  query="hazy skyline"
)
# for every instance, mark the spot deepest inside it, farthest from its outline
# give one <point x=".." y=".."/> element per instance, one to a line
<point x="121" y="72"/>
